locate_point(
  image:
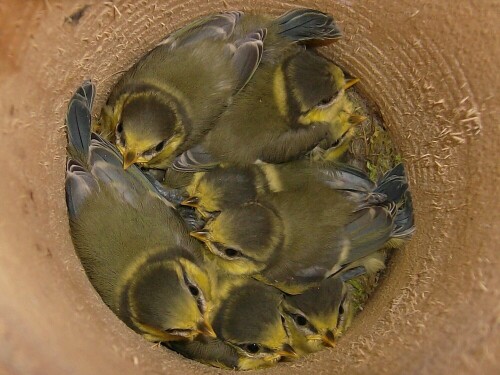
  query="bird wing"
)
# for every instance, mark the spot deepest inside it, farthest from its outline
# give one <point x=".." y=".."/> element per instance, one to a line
<point x="94" y="163"/>
<point x="246" y="52"/>
<point x="344" y="177"/>
<point x="248" y="55"/>
<point x="196" y="159"/>
<point x="216" y="27"/>
<point x="295" y="270"/>
<point x="303" y="25"/>
<point x="79" y="117"/>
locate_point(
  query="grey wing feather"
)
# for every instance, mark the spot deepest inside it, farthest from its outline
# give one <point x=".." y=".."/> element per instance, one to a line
<point x="80" y="184"/>
<point x="87" y="91"/>
<point x="303" y="25"/>
<point x="352" y="273"/>
<point x="393" y="184"/>
<point x="248" y="55"/>
<point x="345" y="177"/>
<point x="404" y="224"/>
<point x="196" y="159"/>
<point x="78" y="122"/>
<point x="369" y="230"/>
<point x="216" y="27"/>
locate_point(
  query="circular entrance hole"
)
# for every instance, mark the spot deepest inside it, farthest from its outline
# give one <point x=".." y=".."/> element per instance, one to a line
<point x="430" y="68"/>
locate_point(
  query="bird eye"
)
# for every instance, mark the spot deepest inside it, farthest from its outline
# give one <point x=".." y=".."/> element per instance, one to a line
<point x="325" y="101"/>
<point x="160" y="146"/>
<point x="300" y="320"/>
<point x="252" y="348"/>
<point x="119" y="127"/>
<point x="341" y="310"/>
<point x="194" y="290"/>
<point x="231" y="252"/>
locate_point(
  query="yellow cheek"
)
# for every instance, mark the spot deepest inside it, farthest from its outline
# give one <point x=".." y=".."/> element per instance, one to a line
<point x="247" y="363"/>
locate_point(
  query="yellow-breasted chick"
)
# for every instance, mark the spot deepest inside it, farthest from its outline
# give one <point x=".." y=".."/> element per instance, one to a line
<point x="249" y="324"/>
<point x="211" y="191"/>
<point x="169" y="99"/>
<point x="285" y="111"/>
<point x="249" y="319"/>
<point x="133" y="245"/>
<point x="316" y="318"/>
<point x="295" y="239"/>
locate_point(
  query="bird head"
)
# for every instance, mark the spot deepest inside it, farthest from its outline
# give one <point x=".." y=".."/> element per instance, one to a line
<point x="314" y="88"/>
<point x="250" y="321"/>
<point x="148" y="127"/>
<point x="242" y="238"/>
<point x="314" y="319"/>
<point x="220" y="188"/>
<point x="169" y="300"/>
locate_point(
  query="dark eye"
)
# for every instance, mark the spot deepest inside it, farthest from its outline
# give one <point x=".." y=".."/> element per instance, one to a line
<point x="231" y="252"/>
<point x="119" y="127"/>
<point x="325" y="101"/>
<point x="300" y="320"/>
<point x="160" y="146"/>
<point x="252" y="348"/>
<point x="194" y="290"/>
<point x="341" y="310"/>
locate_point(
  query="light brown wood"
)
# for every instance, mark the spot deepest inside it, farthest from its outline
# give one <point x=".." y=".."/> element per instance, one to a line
<point x="431" y="66"/>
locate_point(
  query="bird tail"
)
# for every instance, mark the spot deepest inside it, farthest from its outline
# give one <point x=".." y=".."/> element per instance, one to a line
<point x="395" y="186"/>
<point x="404" y="223"/>
<point x="78" y="117"/>
<point x="304" y="25"/>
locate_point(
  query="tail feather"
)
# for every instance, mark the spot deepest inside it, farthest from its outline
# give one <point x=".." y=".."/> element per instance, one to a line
<point x="304" y="25"/>
<point x="404" y="224"/>
<point x="393" y="184"/>
<point x="78" y="117"/>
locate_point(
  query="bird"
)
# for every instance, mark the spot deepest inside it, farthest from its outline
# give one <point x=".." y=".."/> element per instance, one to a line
<point x="249" y="324"/>
<point x="288" y="108"/>
<point x="211" y="191"/>
<point x="248" y="318"/>
<point x="295" y="239"/>
<point x="133" y="245"/>
<point x="316" y="318"/>
<point x="208" y="350"/>
<point x="172" y="97"/>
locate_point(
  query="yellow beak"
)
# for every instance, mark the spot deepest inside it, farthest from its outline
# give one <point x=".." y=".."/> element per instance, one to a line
<point x="191" y="202"/>
<point x="129" y="158"/>
<point x="206" y="329"/>
<point x="355" y="119"/>
<point x="288" y="351"/>
<point x="329" y="339"/>
<point x="350" y="82"/>
<point x="200" y="235"/>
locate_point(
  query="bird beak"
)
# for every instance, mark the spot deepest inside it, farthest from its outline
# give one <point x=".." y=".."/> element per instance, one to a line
<point x="129" y="158"/>
<point x="206" y="329"/>
<point x="351" y="81"/>
<point x="156" y="335"/>
<point x="191" y="202"/>
<point x="355" y="119"/>
<point x="288" y="351"/>
<point x="328" y="339"/>
<point x="209" y="215"/>
<point x="200" y="235"/>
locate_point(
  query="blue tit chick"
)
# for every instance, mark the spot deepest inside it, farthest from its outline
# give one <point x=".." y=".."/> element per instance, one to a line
<point x="171" y="97"/>
<point x="133" y="245"/>
<point x="222" y="187"/>
<point x="285" y="111"/>
<point x="295" y="239"/>
<point x="249" y="319"/>
<point x="316" y="318"/>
